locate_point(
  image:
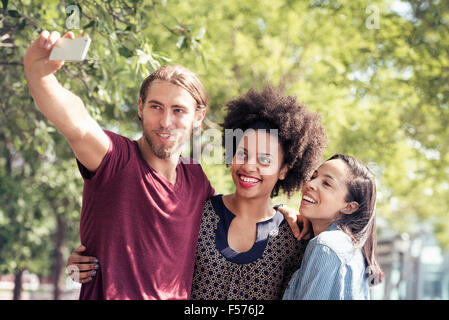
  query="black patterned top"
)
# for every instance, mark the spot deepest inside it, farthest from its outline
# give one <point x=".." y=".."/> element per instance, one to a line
<point x="262" y="273"/>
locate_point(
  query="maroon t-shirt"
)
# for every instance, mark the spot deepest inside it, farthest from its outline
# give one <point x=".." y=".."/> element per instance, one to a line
<point x="142" y="228"/>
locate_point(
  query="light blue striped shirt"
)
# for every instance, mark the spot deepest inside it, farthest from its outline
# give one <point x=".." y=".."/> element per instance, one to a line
<point x="332" y="269"/>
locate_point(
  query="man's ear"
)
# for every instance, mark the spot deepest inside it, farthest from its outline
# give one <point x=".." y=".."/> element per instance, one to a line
<point x="200" y="113"/>
<point x="140" y="108"/>
<point x="350" y="208"/>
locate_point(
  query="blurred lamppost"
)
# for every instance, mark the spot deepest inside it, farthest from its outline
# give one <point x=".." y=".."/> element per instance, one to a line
<point x="415" y="252"/>
<point x="402" y="245"/>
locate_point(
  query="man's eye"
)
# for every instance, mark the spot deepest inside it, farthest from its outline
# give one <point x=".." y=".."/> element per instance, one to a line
<point x="326" y="184"/>
<point x="155" y="106"/>
<point x="179" y="111"/>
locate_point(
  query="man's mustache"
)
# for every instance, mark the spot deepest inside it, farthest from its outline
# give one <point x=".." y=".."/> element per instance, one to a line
<point x="167" y="131"/>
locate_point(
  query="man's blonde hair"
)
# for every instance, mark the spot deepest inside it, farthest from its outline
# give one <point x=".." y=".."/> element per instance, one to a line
<point x="179" y="76"/>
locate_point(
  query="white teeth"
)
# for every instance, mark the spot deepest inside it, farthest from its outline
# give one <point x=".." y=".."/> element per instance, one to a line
<point x="309" y="199"/>
<point x="163" y="135"/>
<point x="248" y="179"/>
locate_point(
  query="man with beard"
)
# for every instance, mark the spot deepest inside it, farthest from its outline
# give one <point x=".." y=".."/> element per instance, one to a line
<point x="142" y="203"/>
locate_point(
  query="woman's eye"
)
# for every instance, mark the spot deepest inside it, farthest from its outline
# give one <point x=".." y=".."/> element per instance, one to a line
<point x="264" y="160"/>
<point x="326" y="184"/>
<point x="240" y="154"/>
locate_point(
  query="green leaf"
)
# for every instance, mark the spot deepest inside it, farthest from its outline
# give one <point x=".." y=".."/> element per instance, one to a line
<point x="182" y="42"/>
<point x="22" y="24"/>
<point x="200" y="33"/>
<point x="14" y="13"/>
<point x="125" y="52"/>
<point x="5" y="4"/>
<point x="89" y="25"/>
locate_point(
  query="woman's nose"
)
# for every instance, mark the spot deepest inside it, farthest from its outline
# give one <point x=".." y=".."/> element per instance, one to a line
<point x="311" y="184"/>
<point x="250" y="165"/>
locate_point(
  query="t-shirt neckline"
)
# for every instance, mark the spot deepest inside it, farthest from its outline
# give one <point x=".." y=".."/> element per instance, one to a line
<point x="146" y="165"/>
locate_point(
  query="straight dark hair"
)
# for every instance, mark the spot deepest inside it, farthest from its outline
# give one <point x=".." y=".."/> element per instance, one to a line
<point x="361" y="225"/>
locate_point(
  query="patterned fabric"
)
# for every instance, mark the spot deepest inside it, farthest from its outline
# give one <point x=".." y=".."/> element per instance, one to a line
<point x="332" y="269"/>
<point x="262" y="273"/>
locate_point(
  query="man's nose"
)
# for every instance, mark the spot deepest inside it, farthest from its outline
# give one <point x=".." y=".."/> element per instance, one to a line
<point x="165" y="120"/>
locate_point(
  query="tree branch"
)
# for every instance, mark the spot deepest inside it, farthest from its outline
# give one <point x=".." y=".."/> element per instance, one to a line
<point x="6" y="63"/>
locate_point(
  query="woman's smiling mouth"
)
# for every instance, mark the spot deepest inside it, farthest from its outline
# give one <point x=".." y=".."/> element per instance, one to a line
<point x="248" y="181"/>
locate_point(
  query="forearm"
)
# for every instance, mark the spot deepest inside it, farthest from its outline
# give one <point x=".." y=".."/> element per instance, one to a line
<point x="63" y="108"/>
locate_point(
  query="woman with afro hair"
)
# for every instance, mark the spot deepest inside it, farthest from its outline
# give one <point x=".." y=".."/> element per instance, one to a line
<point x="246" y="249"/>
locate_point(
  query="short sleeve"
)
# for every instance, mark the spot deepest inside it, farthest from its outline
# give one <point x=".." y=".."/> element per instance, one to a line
<point x="209" y="191"/>
<point x="116" y="158"/>
<point x="320" y="276"/>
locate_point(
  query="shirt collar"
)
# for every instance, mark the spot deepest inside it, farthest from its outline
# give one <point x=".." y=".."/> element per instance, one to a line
<point x="333" y="226"/>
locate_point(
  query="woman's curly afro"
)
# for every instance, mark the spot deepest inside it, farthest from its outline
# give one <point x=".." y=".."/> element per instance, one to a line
<point x="300" y="132"/>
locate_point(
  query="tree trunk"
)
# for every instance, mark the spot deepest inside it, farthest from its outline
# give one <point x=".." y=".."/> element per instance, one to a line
<point x="59" y="258"/>
<point x="17" y="285"/>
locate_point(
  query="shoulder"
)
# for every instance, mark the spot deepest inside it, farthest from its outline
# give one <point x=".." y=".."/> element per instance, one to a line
<point x="118" y="142"/>
<point x="337" y="242"/>
<point x="116" y="137"/>
<point x="213" y="205"/>
<point x="216" y="203"/>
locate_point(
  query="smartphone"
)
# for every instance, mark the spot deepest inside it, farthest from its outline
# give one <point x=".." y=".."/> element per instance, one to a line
<point x="70" y="50"/>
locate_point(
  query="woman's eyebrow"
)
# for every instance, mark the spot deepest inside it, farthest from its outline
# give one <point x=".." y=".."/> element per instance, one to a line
<point x="330" y="177"/>
<point x="327" y="175"/>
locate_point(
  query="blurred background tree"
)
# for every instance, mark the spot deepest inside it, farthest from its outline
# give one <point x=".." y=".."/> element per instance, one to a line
<point x="377" y="71"/>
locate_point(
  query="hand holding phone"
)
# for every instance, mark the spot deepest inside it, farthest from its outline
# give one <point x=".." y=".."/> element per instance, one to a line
<point x="70" y="49"/>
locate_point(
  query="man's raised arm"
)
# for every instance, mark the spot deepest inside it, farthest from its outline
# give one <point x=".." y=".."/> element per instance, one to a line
<point x="63" y="108"/>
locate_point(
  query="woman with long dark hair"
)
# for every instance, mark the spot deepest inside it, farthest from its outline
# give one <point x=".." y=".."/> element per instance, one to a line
<point x="340" y="262"/>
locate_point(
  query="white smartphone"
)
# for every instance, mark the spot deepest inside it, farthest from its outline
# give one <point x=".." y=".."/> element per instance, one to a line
<point x="70" y="50"/>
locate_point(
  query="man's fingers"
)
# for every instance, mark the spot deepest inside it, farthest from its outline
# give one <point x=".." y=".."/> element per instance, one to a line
<point x="47" y="39"/>
<point x="69" y="35"/>
<point x="54" y="36"/>
<point x="43" y="38"/>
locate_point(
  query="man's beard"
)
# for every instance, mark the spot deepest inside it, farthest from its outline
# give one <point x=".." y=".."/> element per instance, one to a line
<point x="164" y="151"/>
